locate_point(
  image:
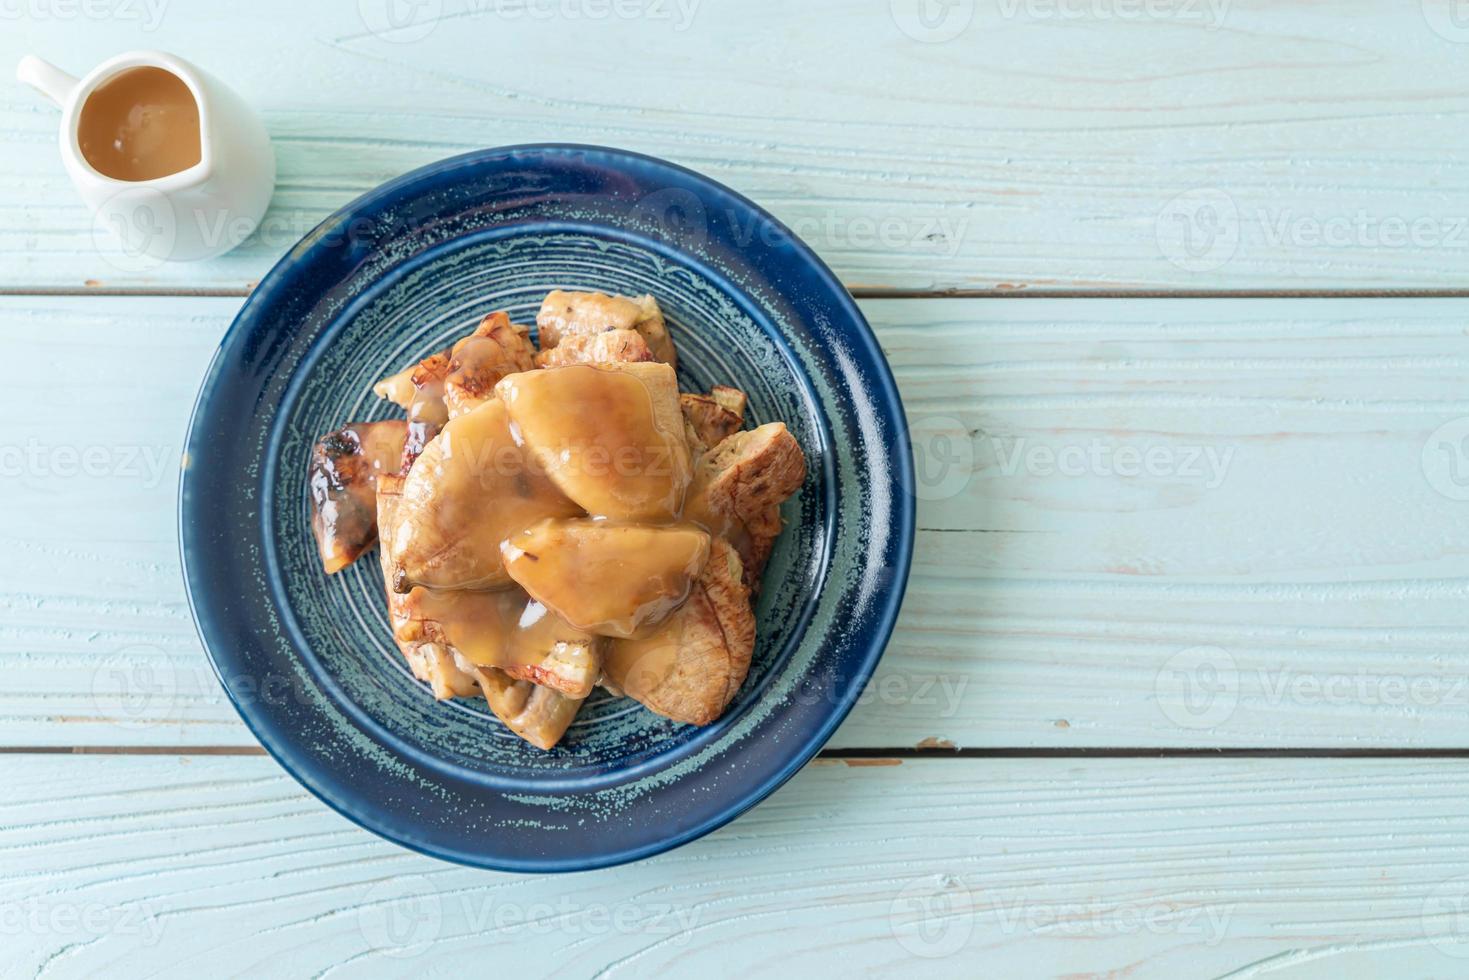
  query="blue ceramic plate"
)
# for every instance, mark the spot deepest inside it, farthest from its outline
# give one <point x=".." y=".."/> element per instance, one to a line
<point x="307" y="658"/>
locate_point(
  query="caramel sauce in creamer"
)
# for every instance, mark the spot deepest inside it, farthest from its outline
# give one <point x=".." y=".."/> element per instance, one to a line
<point x="140" y="124"/>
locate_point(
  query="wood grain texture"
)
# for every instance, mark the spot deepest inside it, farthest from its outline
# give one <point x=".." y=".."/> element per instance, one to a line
<point x="1308" y="591"/>
<point x="1143" y="868"/>
<point x="1045" y="145"/>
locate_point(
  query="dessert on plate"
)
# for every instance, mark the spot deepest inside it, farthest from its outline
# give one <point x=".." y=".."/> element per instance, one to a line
<point x="556" y="518"/>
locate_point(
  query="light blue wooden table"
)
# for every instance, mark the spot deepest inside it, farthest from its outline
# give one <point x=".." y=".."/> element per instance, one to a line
<point x="1178" y="298"/>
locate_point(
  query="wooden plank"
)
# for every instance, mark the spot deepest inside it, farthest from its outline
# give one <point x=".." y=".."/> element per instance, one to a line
<point x="1145" y="868"/>
<point x="1307" y="588"/>
<point x="1044" y="145"/>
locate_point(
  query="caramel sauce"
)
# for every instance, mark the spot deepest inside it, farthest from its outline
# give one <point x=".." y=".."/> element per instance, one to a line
<point x="426" y="406"/>
<point x="607" y="577"/>
<point x="140" y="124"/>
<point x="610" y="436"/>
<point x="496" y="629"/>
<point x="478" y="362"/>
<point x="471" y="489"/>
<point x="562" y="511"/>
<point x="342" y="479"/>
<point x="419" y="390"/>
<point x="473" y="357"/>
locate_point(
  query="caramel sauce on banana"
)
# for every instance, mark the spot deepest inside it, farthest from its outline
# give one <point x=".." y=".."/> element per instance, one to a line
<point x="472" y="488"/>
<point x="607" y="577"/>
<point x="572" y="502"/>
<point x="604" y="437"/>
<point x="496" y="629"/>
<point x="342" y="483"/>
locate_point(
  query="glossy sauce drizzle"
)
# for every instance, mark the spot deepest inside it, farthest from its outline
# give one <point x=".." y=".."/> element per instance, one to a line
<point x="608" y="445"/>
<point x="469" y="491"/>
<point x="610" y="436"/>
<point x="497" y="629"/>
<point x="607" y="577"/>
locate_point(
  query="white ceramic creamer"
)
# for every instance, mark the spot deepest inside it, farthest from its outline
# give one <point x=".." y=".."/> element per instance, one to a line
<point x="146" y="184"/>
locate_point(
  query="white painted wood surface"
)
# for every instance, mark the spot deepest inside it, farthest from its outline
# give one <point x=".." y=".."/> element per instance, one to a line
<point x="1048" y="144"/>
<point x="1281" y="571"/>
<point x="1287" y="570"/>
<point x="174" y="867"/>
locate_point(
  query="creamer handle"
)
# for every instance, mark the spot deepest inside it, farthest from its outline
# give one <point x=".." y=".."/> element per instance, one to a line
<point x="46" y="78"/>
